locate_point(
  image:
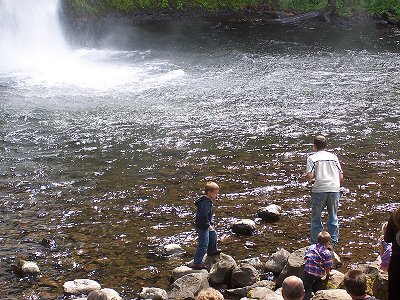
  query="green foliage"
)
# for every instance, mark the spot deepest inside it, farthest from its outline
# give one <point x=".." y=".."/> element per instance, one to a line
<point x="164" y="4"/>
<point x="304" y="5"/>
<point x="381" y="6"/>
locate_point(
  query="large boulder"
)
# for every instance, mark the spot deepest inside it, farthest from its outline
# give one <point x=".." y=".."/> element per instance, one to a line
<point x="335" y="294"/>
<point x="153" y="293"/>
<point x="188" y="286"/>
<point x="277" y="261"/>
<point x="271" y="213"/>
<point x="242" y="292"/>
<point x="294" y="266"/>
<point x="244" y="226"/>
<point x="81" y="286"/>
<point x="334" y="282"/>
<point x="178" y="272"/>
<point x="221" y="268"/>
<point x="380" y="286"/>
<point x="244" y="276"/>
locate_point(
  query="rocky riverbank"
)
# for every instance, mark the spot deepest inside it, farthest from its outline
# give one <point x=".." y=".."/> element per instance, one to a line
<point x="244" y="279"/>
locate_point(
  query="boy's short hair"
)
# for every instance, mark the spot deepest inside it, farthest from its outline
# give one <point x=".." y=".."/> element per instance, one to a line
<point x="320" y="142"/>
<point x="355" y="283"/>
<point x="210" y="187"/>
<point x="209" y="294"/>
<point x="323" y="237"/>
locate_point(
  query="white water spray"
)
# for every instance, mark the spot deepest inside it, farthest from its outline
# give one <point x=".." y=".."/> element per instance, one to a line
<point x="30" y="34"/>
<point x="32" y="47"/>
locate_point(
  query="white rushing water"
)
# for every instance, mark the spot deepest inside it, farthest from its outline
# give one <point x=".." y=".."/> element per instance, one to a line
<point x="33" y="50"/>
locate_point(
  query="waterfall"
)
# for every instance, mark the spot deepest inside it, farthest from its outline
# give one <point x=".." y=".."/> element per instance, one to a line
<point x="30" y="34"/>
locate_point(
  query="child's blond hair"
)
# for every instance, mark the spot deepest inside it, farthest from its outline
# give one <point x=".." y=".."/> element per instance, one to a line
<point x="209" y="294"/>
<point x="210" y="187"/>
<point x="323" y="238"/>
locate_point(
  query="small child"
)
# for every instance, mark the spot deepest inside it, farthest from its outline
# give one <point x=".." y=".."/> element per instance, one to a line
<point x="385" y="251"/>
<point x="207" y="236"/>
<point x="318" y="262"/>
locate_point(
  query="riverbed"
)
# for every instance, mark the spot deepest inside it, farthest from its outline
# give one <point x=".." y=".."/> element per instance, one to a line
<point x="106" y="144"/>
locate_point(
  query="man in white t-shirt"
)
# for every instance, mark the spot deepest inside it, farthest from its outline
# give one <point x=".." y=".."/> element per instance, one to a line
<point x="324" y="172"/>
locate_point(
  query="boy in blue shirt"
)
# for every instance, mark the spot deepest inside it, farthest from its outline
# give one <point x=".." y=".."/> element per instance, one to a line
<point x="207" y="236"/>
<point x="318" y="262"/>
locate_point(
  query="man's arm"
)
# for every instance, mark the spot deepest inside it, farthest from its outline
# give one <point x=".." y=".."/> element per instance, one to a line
<point x="309" y="177"/>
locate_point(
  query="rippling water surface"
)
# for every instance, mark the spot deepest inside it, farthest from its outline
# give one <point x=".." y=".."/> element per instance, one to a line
<point x="104" y="149"/>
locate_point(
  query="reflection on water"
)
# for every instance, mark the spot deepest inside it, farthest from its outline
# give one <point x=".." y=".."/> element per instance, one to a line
<point x="95" y="178"/>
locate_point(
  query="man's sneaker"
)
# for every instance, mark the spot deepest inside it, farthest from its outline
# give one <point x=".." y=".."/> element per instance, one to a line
<point x="216" y="252"/>
<point x="199" y="267"/>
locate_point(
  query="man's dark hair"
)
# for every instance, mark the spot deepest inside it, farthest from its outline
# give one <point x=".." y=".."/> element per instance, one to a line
<point x="320" y="142"/>
<point x="355" y="283"/>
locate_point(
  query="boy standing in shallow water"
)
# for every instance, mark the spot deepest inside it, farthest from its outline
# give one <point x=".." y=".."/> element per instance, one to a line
<point x="318" y="262"/>
<point x="207" y="236"/>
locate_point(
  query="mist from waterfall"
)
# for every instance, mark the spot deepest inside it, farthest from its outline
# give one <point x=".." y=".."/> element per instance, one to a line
<point x="33" y="48"/>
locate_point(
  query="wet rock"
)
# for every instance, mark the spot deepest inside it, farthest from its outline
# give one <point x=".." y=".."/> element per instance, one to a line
<point x="182" y="271"/>
<point x="26" y="268"/>
<point x="254" y="261"/>
<point x="221" y="268"/>
<point x="294" y="266"/>
<point x="271" y="213"/>
<point x="244" y="226"/>
<point x="153" y="293"/>
<point x="244" y="276"/>
<point x="380" y="286"/>
<point x="171" y="250"/>
<point x="277" y="261"/>
<point x="334" y="282"/>
<point x="188" y="286"/>
<point x="80" y="286"/>
<point x="335" y="294"/>
<point x="242" y="292"/>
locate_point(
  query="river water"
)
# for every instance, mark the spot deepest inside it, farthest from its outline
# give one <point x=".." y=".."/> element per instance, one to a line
<point x="107" y="139"/>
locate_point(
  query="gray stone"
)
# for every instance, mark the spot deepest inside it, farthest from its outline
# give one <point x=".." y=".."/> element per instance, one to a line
<point x="80" y="286"/>
<point x="335" y="294"/>
<point x="271" y="213"/>
<point x="263" y="293"/>
<point x="254" y="261"/>
<point x="111" y="294"/>
<point x="244" y="226"/>
<point x="380" y="286"/>
<point x="294" y="266"/>
<point x="244" y="276"/>
<point x="221" y="268"/>
<point x="25" y="268"/>
<point x="182" y="271"/>
<point x="171" y="250"/>
<point x="242" y="292"/>
<point x="153" y="293"/>
<point x="188" y="286"/>
<point x="277" y="261"/>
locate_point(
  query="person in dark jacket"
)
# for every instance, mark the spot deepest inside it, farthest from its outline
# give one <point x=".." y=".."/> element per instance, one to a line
<point x="392" y="235"/>
<point x="207" y="236"/>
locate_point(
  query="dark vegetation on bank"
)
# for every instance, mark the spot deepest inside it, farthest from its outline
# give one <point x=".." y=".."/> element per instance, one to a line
<point x="139" y="10"/>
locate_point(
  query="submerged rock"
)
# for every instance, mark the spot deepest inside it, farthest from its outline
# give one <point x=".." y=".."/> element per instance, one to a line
<point x="271" y="213"/>
<point x="26" y="268"/>
<point x="244" y="226"/>
<point x="81" y="286"/>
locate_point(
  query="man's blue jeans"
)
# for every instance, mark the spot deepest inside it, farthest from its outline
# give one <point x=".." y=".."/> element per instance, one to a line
<point x="330" y="200"/>
<point x="206" y="243"/>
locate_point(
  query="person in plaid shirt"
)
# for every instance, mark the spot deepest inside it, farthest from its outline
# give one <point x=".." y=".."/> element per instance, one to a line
<point x="318" y="262"/>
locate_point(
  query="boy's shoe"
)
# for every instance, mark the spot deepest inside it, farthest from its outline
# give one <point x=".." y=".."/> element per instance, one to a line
<point x="199" y="267"/>
<point x="216" y="252"/>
